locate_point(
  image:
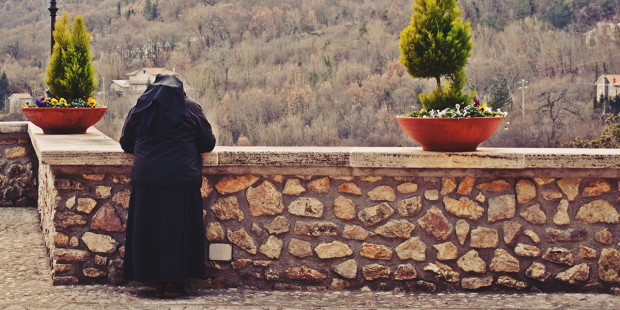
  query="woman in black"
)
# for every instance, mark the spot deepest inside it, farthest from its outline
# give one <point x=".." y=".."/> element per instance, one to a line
<point x="166" y="131"/>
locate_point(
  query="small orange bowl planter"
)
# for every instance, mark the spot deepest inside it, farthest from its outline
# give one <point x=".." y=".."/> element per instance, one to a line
<point x="64" y="120"/>
<point x="449" y="134"/>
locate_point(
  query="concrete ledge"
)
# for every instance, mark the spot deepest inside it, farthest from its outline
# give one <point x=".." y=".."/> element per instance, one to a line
<point x="13" y="127"/>
<point x="96" y="149"/>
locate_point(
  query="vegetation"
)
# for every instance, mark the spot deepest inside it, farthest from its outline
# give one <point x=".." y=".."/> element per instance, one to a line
<point x="610" y="138"/>
<point x="322" y="72"/>
<point x="437" y="44"/>
<point x="71" y="73"/>
<point x="4" y="89"/>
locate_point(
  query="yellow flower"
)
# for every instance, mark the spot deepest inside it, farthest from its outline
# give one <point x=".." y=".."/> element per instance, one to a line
<point x="54" y="101"/>
<point x="63" y="102"/>
<point x="26" y="105"/>
<point x="482" y="108"/>
<point x="92" y="102"/>
<point x="422" y="110"/>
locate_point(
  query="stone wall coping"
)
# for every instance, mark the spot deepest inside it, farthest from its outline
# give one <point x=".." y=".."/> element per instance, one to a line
<point x="95" y="148"/>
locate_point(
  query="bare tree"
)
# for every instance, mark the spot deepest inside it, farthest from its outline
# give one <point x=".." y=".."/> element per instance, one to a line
<point x="556" y="110"/>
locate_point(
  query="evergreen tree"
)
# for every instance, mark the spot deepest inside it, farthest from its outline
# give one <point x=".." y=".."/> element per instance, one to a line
<point x="523" y="9"/>
<point x="71" y="73"/>
<point x="437" y="44"/>
<point x="500" y="95"/>
<point x="150" y="10"/>
<point x="4" y="89"/>
<point x="559" y="15"/>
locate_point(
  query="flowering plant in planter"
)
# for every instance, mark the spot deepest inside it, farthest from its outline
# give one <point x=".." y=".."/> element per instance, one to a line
<point x="69" y="107"/>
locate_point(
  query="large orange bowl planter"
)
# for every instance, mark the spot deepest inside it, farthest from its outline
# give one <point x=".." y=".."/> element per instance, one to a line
<point x="449" y="134"/>
<point x="64" y="120"/>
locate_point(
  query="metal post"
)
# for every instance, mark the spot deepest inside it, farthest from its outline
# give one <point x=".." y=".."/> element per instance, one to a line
<point x="53" y="9"/>
<point x="522" y="88"/>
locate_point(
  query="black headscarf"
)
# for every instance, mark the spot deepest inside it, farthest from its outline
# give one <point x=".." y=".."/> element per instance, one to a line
<point x="162" y="105"/>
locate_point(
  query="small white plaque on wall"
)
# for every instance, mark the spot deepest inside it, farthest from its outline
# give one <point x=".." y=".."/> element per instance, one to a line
<point x="220" y="252"/>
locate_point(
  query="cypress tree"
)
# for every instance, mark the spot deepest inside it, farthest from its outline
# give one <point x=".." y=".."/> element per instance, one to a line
<point x="71" y="73"/>
<point x="500" y="95"/>
<point x="4" y="89"/>
<point x="437" y="44"/>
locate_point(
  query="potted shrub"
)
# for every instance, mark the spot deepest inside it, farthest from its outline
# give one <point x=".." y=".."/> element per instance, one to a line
<point x="437" y="44"/>
<point x="70" y="107"/>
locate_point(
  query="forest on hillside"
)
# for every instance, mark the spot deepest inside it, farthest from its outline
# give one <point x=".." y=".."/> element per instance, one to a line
<point x="327" y="72"/>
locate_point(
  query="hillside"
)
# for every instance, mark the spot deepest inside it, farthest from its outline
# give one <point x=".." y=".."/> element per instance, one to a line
<point x="322" y="72"/>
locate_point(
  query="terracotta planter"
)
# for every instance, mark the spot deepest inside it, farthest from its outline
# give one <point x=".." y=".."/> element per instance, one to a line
<point x="449" y="134"/>
<point x="64" y="120"/>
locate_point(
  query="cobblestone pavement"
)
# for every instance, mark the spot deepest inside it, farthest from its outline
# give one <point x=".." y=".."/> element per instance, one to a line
<point x="25" y="283"/>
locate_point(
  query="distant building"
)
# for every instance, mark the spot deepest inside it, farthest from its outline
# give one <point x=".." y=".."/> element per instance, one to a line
<point x="608" y="85"/>
<point x="138" y="80"/>
<point x="16" y="101"/>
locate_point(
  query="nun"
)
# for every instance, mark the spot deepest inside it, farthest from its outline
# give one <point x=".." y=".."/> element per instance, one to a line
<point x="167" y="132"/>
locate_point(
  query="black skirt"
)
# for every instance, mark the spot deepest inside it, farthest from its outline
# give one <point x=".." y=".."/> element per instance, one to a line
<point x="164" y="235"/>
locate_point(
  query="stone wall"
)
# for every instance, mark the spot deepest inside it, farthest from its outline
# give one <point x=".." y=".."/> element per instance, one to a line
<point x="347" y="218"/>
<point x="18" y="167"/>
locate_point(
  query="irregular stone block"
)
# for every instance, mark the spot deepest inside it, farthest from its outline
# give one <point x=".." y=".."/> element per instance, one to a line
<point x="264" y="200"/>
<point x="99" y="243"/>
<point x="463" y="208"/>
<point x="435" y="224"/>
<point x="431" y="194"/>
<point x="279" y="225"/>
<point x="537" y="271"/>
<point x="205" y="188"/>
<point x="304" y="274"/>
<point x="604" y="237"/>
<point x="609" y="266"/>
<point x="342" y="177"/>
<point x="407" y="188"/>
<point x="448" y="185"/>
<point x="446" y="251"/>
<point x="561" y="216"/>
<point x="371" y="179"/>
<point x="227" y="209"/>
<point x="65" y="280"/>
<point x="230" y="185"/>
<point x="382" y="193"/>
<point x="63" y="268"/>
<point x="510" y="282"/>
<point x="241" y="239"/>
<point x="476" y="283"/>
<point x="92" y="272"/>
<point x="596" y="188"/>
<point x="339" y="285"/>
<point x="586" y="252"/>
<point x="60" y="239"/>
<point x="410" y="206"/>
<point x="63" y="255"/>
<point x="527" y="250"/>
<point x="550" y="194"/>
<point x="334" y="249"/>
<point x="122" y="198"/>
<point x="443" y="271"/>
<point x="107" y="219"/>
<point x="306" y="206"/>
<point x="373" y="215"/>
<point x="375" y="271"/>
<point x="68" y="219"/>
<point x="376" y="251"/>
<point x="471" y="262"/>
<point x="466" y="185"/>
<point x="413" y="248"/>
<point x="511" y="231"/>
<point x="598" y="211"/>
<point x="480" y="198"/>
<point x="293" y="187"/>
<point x="215" y="232"/>
<point x="526" y="191"/>
<point x="86" y="205"/>
<point x="580" y="273"/>
<point x="484" y="238"/>
<point x="346" y="269"/>
<point x="534" y="215"/>
<point x="396" y="229"/>
<point x="350" y="188"/>
<point x="356" y="233"/>
<point x="272" y="247"/>
<point x="320" y="186"/>
<point x="405" y="272"/>
<point x="501" y="208"/>
<point x="496" y="186"/>
<point x="559" y="256"/>
<point x="102" y="192"/>
<point x="70" y="203"/>
<point x="299" y="248"/>
<point x="570" y="187"/>
<point x="462" y="230"/>
<point x="530" y="233"/>
<point x="344" y="208"/>
<point x="315" y="229"/>
<point x="543" y="181"/>
<point x="504" y="262"/>
<point x="15" y="152"/>
<point x="556" y="235"/>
